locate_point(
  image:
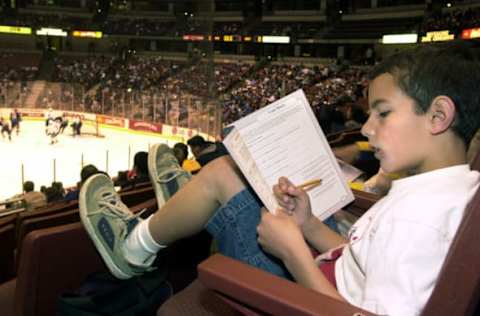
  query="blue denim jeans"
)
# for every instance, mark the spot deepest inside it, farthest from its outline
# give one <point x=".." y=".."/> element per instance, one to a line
<point x="234" y="226"/>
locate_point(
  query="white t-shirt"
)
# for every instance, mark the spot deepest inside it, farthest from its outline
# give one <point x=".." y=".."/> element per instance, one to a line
<point x="397" y="248"/>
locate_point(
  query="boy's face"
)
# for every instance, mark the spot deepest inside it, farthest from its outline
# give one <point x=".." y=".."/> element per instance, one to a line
<point x="398" y="135"/>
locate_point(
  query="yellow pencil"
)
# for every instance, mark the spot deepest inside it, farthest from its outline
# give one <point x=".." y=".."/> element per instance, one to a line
<point x="310" y="184"/>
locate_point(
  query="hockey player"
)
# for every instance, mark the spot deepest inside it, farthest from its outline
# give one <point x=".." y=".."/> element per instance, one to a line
<point x="53" y="129"/>
<point x="5" y="126"/>
<point x="15" y="119"/>
<point x="76" y="126"/>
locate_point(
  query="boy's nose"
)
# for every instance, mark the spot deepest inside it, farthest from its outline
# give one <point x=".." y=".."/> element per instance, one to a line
<point x="367" y="129"/>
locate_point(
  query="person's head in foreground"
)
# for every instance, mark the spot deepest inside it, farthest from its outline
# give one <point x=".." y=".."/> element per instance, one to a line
<point x="423" y="102"/>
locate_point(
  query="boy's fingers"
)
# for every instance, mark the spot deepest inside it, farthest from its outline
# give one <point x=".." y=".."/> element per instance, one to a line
<point x="284" y="183"/>
<point x="283" y="198"/>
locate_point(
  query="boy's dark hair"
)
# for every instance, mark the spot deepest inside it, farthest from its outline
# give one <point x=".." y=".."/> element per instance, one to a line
<point x="450" y="69"/>
<point x="28" y="186"/>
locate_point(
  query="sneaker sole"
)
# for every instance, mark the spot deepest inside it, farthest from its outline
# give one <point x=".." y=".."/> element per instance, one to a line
<point x="104" y="252"/>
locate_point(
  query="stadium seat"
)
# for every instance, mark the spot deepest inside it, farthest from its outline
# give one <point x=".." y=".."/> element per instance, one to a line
<point x="62" y="216"/>
<point x="134" y="186"/>
<point x="55" y="260"/>
<point x="49" y="209"/>
<point x="7" y="240"/>
<point x="40" y="222"/>
<point x="136" y="196"/>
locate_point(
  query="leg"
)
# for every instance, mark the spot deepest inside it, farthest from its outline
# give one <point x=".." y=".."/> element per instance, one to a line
<point x="216" y="196"/>
<point x="212" y="187"/>
<point x="127" y="244"/>
<point x="219" y="200"/>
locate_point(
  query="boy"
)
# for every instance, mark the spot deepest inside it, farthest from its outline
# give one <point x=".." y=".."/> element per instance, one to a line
<point x="423" y="106"/>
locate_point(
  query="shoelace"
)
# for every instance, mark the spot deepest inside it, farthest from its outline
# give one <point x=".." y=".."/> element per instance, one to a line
<point x="110" y="205"/>
<point x="174" y="174"/>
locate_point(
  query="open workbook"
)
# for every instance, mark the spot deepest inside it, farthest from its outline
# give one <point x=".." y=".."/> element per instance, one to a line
<point x="285" y="139"/>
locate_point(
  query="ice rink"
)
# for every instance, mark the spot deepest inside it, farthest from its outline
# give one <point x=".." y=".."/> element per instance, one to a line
<point x="32" y="149"/>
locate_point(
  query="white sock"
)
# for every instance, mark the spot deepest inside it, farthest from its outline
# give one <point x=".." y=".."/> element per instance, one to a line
<point x="140" y="245"/>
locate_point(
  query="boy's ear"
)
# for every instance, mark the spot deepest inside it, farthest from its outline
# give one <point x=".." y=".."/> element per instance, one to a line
<point x="441" y="114"/>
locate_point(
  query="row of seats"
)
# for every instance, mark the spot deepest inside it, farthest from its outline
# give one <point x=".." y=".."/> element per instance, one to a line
<point x="57" y="259"/>
<point x="55" y="255"/>
<point x="14" y="228"/>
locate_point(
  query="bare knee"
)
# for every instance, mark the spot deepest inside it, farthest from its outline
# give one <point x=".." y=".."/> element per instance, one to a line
<point x="223" y="176"/>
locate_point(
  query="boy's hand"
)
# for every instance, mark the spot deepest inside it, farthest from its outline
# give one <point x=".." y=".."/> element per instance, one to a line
<point x="278" y="234"/>
<point x="295" y="201"/>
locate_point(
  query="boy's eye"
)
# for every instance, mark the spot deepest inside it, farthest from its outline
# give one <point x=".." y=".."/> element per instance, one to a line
<point x="383" y="114"/>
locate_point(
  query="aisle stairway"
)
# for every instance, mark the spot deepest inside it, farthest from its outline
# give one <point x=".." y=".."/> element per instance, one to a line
<point x="36" y="91"/>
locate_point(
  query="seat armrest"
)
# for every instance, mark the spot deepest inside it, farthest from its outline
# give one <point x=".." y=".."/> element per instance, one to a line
<point x="266" y="292"/>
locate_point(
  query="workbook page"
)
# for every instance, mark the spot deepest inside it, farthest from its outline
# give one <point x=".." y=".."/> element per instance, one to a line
<point x="284" y="139"/>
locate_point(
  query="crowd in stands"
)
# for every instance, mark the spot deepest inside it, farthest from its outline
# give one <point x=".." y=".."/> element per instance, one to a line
<point x="140" y="83"/>
<point x="84" y="71"/>
<point x="195" y="79"/>
<point x="323" y="85"/>
<point x="10" y="70"/>
<point x="15" y="73"/>
<point x="455" y="20"/>
<point x="142" y="87"/>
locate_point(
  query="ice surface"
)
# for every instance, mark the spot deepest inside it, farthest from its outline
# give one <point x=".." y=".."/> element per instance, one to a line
<point x="32" y="149"/>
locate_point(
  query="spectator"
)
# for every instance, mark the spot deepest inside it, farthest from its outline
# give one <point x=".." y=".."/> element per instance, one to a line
<point x="33" y="199"/>
<point x="205" y="151"/>
<point x="85" y="173"/>
<point x="53" y="194"/>
<point x="180" y="151"/>
<point x="138" y="174"/>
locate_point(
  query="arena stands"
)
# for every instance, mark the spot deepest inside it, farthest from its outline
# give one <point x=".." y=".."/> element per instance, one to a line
<point x="165" y="62"/>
